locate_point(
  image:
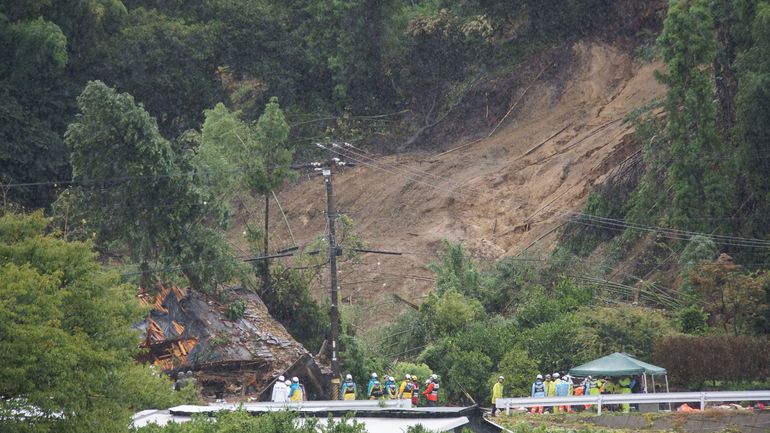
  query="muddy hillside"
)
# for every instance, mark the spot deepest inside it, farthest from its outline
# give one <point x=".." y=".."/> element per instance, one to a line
<point x="563" y="131"/>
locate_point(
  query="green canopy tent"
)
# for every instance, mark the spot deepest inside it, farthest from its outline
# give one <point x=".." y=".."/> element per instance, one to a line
<point x="620" y="364"/>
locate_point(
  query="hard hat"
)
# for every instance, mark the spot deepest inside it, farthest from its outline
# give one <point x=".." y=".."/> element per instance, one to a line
<point x="501" y="377"/>
<point x="349" y="377"/>
<point x="281" y="378"/>
<point x="434" y="376"/>
<point x="374" y="375"/>
<point x="391" y="378"/>
<point x="407" y="377"/>
<point x="181" y="374"/>
<point x="590" y="377"/>
<point x="295" y="379"/>
<point x="189" y="372"/>
<point x="540" y="376"/>
<point x="556" y="375"/>
<point x="414" y="377"/>
<point x="287" y="383"/>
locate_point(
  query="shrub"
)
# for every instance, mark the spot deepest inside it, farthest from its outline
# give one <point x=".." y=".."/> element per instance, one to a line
<point x="235" y="310"/>
<point x="691" y="359"/>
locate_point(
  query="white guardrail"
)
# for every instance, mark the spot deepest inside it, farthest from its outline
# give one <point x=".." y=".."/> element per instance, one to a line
<point x="605" y="399"/>
<point x="316" y="405"/>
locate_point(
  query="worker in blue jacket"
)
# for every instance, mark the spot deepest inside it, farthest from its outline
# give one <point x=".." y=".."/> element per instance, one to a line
<point x="538" y="390"/>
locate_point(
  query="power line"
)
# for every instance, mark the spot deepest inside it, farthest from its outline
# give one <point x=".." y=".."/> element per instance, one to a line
<point x="391" y="171"/>
<point x="406" y="169"/>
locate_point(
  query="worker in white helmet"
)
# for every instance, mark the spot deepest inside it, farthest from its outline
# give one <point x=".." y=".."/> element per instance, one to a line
<point x="280" y="391"/>
<point x="348" y="391"/>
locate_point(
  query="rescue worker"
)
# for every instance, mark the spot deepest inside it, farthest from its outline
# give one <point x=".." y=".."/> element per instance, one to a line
<point x="550" y="389"/>
<point x="624" y="385"/>
<point x="431" y="391"/>
<point x="280" y="391"/>
<point x="610" y="388"/>
<point x="595" y="386"/>
<point x="405" y="390"/>
<point x="579" y="392"/>
<point x="372" y="379"/>
<point x="391" y="390"/>
<point x="297" y="391"/>
<point x="562" y="389"/>
<point x="538" y="390"/>
<point x="191" y="380"/>
<point x="180" y="381"/>
<point x="415" y="391"/>
<point x="348" y="389"/>
<point x="375" y="390"/>
<point x="497" y="392"/>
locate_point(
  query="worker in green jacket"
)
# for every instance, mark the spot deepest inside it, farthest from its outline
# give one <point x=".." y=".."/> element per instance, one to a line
<point x="625" y="384"/>
<point x="497" y="392"/>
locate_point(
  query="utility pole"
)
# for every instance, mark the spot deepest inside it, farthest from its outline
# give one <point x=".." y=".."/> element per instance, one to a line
<point x="334" y="250"/>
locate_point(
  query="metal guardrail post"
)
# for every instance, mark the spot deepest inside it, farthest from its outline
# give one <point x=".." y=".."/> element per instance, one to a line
<point x="508" y="408"/>
<point x="702" y="401"/>
<point x="599" y="406"/>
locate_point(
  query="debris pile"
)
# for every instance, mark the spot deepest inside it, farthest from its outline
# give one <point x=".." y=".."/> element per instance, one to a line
<point x="187" y="331"/>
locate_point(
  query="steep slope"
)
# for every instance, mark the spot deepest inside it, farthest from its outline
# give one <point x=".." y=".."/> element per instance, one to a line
<point x="498" y="195"/>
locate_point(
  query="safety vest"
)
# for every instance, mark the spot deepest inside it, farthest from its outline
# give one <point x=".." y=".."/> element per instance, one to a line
<point x="376" y="391"/>
<point x="415" y="392"/>
<point x="406" y="389"/>
<point x="538" y="388"/>
<point x="434" y="392"/>
<point x="296" y="392"/>
<point x="391" y="389"/>
<point x="349" y="387"/>
<point x="625" y="386"/>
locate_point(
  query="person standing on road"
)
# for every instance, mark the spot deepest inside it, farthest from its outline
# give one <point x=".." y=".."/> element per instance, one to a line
<point x="372" y="379"/>
<point x="280" y="391"/>
<point x="405" y="390"/>
<point x="348" y="390"/>
<point x="375" y="390"/>
<point x="415" y="391"/>
<point x="391" y="390"/>
<point x="497" y="392"/>
<point x="538" y="391"/>
<point x="625" y="384"/>
<point x="297" y="391"/>
<point x="431" y="391"/>
<point x="562" y="388"/>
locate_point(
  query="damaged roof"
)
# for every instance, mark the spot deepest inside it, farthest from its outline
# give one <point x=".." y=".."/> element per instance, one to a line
<point x="186" y="329"/>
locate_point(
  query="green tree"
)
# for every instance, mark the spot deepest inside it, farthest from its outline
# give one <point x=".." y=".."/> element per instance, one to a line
<point x="622" y="328"/>
<point x="699" y="176"/>
<point x="448" y="313"/>
<point x="131" y="187"/>
<point x="66" y="337"/>
<point x="167" y="63"/>
<point x="733" y="298"/>
<point x="752" y="131"/>
<point x="519" y="370"/>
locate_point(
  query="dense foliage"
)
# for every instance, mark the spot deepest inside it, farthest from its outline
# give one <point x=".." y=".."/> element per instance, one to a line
<point x="66" y="343"/>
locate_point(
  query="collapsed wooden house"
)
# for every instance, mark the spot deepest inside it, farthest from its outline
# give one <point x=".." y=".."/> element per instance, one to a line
<point x="187" y="331"/>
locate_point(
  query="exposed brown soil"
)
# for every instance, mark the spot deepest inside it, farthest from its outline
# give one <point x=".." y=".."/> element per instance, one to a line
<point x="498" y="195"/>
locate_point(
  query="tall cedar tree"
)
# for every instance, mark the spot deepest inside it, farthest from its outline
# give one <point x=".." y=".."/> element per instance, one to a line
<point x="700" y="174"/>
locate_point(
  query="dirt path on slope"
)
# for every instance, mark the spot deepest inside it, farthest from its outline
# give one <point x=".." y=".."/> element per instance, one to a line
<point x="497" y="196"/>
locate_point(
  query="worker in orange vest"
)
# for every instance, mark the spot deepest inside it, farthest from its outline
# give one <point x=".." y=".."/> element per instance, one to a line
<point x="431" y="391"/>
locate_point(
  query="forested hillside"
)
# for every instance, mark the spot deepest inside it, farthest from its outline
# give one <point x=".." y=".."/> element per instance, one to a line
<point x="564" y="179"/>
